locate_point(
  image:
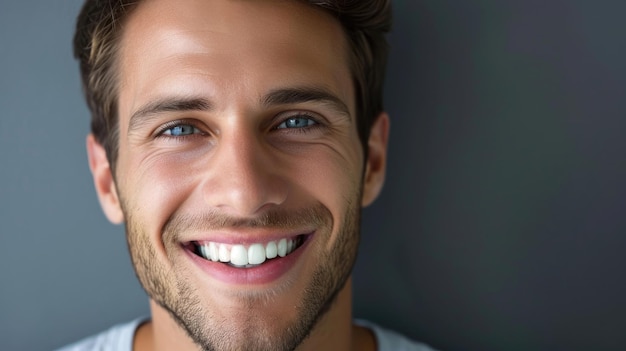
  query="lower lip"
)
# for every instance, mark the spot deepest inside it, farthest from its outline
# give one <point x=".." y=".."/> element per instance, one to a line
<point x="267" y="272"/>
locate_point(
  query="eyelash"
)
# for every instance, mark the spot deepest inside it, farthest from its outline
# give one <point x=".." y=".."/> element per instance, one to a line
<point x="283" y="118"/>
<point x="160" y="132"/>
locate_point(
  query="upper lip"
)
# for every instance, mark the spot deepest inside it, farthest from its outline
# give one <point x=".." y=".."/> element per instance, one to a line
<point x="247" y="236"/>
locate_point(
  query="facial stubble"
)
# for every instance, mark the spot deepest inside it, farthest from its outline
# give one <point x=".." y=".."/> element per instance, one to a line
<point x="168" y="285"/>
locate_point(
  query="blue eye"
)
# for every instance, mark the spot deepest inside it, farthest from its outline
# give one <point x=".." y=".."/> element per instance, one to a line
<point x="181" y="130"/>
<point x="297" y="122"/>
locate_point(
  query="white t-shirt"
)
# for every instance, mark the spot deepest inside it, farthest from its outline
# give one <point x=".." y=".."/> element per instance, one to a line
<point x="120" y="338"/>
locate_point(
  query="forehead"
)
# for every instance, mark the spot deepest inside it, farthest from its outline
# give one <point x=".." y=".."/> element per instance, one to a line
<point x="236" y="47"/>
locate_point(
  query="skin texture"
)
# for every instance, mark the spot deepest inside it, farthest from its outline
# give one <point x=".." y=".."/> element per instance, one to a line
<point x="244" y="173"/>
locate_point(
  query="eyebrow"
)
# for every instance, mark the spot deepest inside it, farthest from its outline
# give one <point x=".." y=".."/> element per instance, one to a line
<point x="169" y="104"/>
<point x="305" y="94"/>
<point x="284" y="96"/>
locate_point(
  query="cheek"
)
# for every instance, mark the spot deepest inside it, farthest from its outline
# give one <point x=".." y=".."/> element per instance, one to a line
<point x="332" y="178"/>
<point x="156" y="185"/>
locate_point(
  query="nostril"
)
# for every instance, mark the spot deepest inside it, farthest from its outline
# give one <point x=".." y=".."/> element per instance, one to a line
<point x="245" y="195"/>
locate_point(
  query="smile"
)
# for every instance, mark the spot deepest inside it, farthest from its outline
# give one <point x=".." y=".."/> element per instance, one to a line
<point x="247" y="256"/>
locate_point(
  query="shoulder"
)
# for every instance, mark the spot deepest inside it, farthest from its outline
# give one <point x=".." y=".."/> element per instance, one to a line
<point x="388" y="340"/>
<point x="116" y="338"/>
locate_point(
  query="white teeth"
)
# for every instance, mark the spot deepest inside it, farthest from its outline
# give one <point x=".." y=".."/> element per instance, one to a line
<point x="239" y="255"/>
<point x="282" y="248"/>
<point x="224" y="254"/>
<point x="213" y="252"/>
<point x="256" y="254"/>
<point x="271" y="250"/>
<point x="203" y="251"/>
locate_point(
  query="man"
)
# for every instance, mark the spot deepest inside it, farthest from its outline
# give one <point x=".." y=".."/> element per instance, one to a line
<point x="237" y="140"/>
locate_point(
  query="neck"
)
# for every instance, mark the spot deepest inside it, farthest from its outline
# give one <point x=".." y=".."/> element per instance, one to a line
<point x="334" y="331"/>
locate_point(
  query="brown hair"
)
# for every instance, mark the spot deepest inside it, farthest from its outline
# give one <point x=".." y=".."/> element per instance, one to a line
<point x="99" y="28"/>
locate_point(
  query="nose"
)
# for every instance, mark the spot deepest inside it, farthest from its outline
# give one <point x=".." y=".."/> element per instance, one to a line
<point x="244" y="176"/>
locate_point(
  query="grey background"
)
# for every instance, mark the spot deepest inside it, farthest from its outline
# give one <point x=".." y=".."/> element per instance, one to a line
<point x="501" y="226"/>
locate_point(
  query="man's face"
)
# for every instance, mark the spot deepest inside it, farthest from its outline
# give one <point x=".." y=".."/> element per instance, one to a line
<point x="240" y="168"/>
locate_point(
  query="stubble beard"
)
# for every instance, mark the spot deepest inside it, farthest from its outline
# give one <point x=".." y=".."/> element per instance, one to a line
<point x="168" y="287"/>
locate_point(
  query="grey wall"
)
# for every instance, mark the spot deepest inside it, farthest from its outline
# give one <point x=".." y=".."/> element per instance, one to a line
<point x="502" y="222"/>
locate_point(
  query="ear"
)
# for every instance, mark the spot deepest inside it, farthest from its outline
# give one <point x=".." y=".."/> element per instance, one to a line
<point x="103" y="181"/>
<point x="376" y="162"/>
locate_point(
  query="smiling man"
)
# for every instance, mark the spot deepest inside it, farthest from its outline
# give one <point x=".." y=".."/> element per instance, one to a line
<point x="238" y="140"/>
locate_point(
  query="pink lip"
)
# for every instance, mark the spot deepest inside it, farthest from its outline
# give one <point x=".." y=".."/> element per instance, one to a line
<point x="249" y="237"/>
<point x="246" y="241"/>
<point x="265" y="273"/>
